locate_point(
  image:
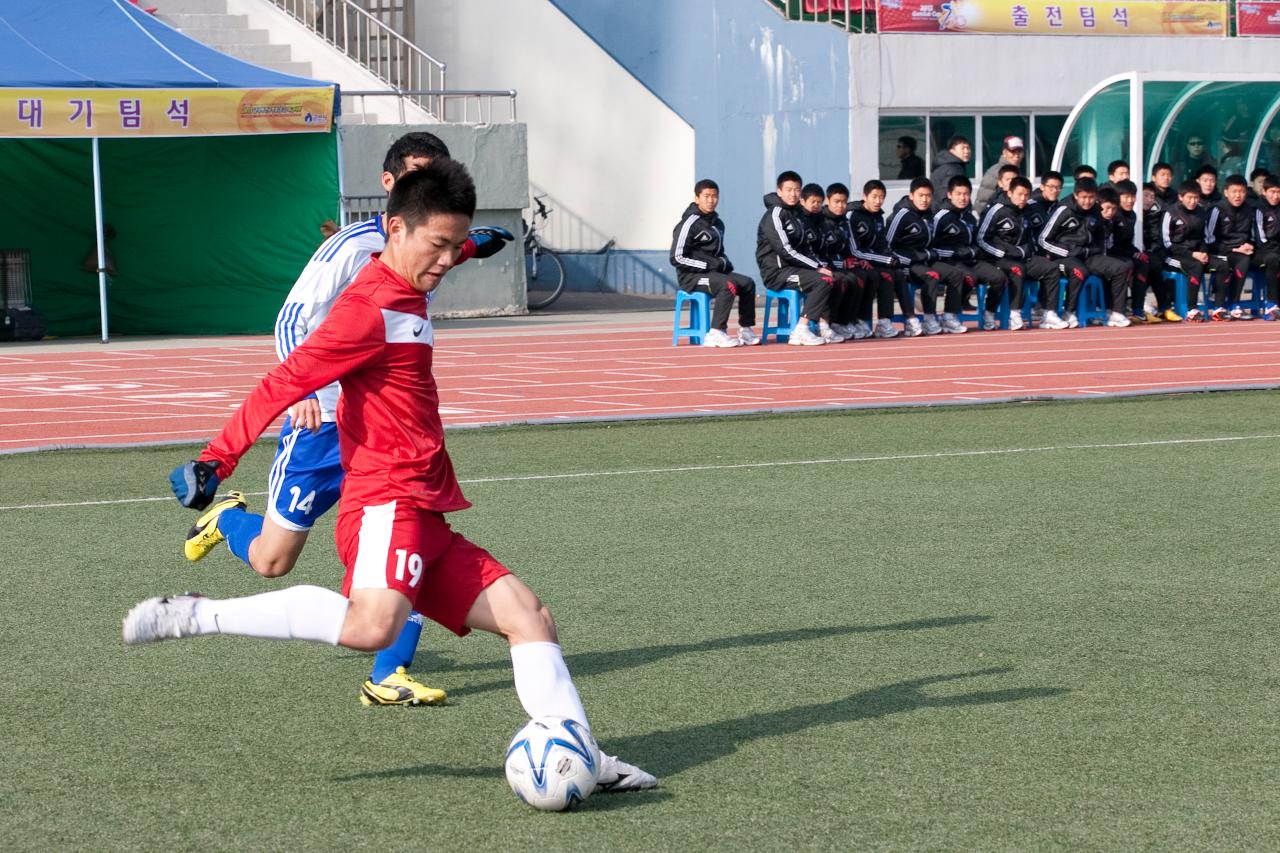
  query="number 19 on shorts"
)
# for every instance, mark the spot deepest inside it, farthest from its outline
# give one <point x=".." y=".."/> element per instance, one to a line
<point x="412" y="563"/>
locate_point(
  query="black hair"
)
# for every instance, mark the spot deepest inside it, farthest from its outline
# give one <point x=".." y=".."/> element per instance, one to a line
<point x="1083" y="170"/>
<point x="1116" y="164"/>
<point x="1126" y="188"/>
<point x="1206" y="169"/>
<point x="1007" y="168"/>
<point x="443" y="187"/>
<point x="1272" y="182"/>
<point x="958" y="181"/>
<point x="417" y="144"/>
<point x="1162" y="165"/>
<point x="837" y="189"/>
<point x="1258" y="173"/>
<point x="958" y="140"/>
<point x="1085" y="185"/>
<point x="1051" y="175"/>
<point x="789" y="176"/>
<point x="1108" y="195"/>
<point x="873" y="185"/>
<point x="705" y="184"/>
<point x="811" y="190"/>
<point x="908" y="142"/>
<point x="921" y="184"/>
<point x="1188" y="187"/>
<point x="1020" y="181"/>
<point x="1236" y="181"/>
<point x="1149" y="186"/>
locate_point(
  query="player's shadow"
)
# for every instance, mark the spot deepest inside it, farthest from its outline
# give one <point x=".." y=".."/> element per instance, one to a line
<point x="598" y="663"/>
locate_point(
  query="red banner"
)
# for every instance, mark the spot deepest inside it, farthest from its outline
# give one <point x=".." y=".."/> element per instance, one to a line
<point x="825" y="7"/>
<point x="1258" y="19"/>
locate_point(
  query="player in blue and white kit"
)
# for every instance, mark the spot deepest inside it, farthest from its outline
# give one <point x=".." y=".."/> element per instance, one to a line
<point x="306" y="475"/>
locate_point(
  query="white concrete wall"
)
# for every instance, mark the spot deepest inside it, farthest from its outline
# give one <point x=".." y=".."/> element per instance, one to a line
<point x="614" y="159"/>
<point x="926" y="72"/>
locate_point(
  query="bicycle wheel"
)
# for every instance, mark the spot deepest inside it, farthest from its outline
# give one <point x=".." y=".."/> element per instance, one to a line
<point x="544" y="277"/>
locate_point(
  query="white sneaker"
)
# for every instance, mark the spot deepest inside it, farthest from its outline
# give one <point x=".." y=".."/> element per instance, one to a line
<point x="845" y="332"/>
<point x="990" y="321"/>
<point x="1116" y="320"/>
<point x="952" y="325"/>
<point x="830" y="335"/>
<point x="1194" y="314"/>
<point x="885" y="329"/>
<point x="166" y="618"/>
<point x="931" y="325"/>
<point x="618" y="775"/>
<point x="747" y="337"/>
<point x="1037" y="316"/>
<point x="1015" y="321"/>
<point x="802" y="337"/>
<point x="1051" y="320"/>
<point x="914" y="327"/>
<point x="862" y="330"/>
<point x="718" y="339"/>
<point x="1237" y="313"/>
<point x="1072" y="321"/>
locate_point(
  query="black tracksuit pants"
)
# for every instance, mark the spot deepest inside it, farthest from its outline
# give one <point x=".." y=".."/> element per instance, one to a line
<point x="888" y="283"/>
<point x="1148" y="273"/>
<point x="723" y="287"/>
<point x="1228" y="270"/>
<point x="850" y="288"/>
<point x="1269" y="260"/>
<point x="815" y="287"/>
<point x="1039" y="269"/>
<point x="985" y="272"/>
<point x="1115" y="274"/>
<point x="930" y="278"/>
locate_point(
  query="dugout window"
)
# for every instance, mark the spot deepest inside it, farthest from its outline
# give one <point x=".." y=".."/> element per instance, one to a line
<point x="893" y="128"/>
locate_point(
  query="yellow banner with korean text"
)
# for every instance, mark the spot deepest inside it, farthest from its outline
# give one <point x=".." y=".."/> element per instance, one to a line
<point x="84" y="113"/>
<point x="1115" y="18"/>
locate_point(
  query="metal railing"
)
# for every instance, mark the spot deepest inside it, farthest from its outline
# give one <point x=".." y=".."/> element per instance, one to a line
<point x="461" y="106"/>
<point x="852" y="16"/>
<point x="387" y="54"/>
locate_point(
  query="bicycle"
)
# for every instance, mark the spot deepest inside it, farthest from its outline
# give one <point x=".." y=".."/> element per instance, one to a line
<point x="543" y="270"/>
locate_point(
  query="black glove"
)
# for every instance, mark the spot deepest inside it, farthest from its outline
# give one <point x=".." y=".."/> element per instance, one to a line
<point x="489" y="240"/>
<point x="195" y="483"/>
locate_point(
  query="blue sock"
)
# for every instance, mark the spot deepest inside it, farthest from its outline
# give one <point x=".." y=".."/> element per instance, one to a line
<point x="399" y="653"/>
<point x="240" y="528"/>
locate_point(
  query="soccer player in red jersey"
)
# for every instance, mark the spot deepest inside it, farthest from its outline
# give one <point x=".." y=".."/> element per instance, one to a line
<point x="392" y="536"/>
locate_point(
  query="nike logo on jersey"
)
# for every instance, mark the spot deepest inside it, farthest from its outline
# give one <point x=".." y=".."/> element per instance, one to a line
<point x="405" y="328"/>
<point x="417" y="331"/>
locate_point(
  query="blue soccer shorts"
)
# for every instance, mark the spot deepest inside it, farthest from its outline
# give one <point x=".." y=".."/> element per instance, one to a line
<point x="306" y="476"/>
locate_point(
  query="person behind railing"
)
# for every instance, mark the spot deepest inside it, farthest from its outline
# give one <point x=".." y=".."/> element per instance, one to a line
<point x="785" y="263"/>
<point x="951" y="162"/>
<point x="912" y="164"/>
<point x="955" y="229"/>
<point x="697" y="253"/>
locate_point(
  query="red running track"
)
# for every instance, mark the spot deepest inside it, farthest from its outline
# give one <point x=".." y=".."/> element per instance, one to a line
<point x="75" y="395"/>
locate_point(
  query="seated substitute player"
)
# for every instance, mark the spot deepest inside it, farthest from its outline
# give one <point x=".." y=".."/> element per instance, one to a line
<point x="822" y="241"/>
<point x="697" y="253"/>
<point x="1101" y="260"/>
<point x="1085" y="171"/>
<point x="1228" y="238"/>
<point x="306" y="476"/>
<point x="1182" y="239"/>
<point x="1257" y="183"/>
<point x="1124" y="246"/>
<point x="1004" y="239"/>
<point x="954" y="231"/>
<point x="1162" y="184"/>
<point x="399" y="551"/>
<point x="1207" y="178"/>
<point x="1153" y="212"/>
<point x="866" y="217"/>
<point x="1267" y="232"/>
<point x="1117" y="171"/>
<point x="845" y="253"/>
<point x="780" y="253"/>
<point x="1065" y="239"/>
<point x="909" y="236"/>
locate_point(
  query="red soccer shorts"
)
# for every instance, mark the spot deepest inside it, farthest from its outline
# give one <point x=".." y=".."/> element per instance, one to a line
<point x="414" y="551"/>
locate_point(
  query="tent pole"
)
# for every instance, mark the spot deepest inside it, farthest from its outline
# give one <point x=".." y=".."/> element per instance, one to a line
<point x="102" y="239"/>
<point x="342" y="190"/>
<point x="1137" y="148"/>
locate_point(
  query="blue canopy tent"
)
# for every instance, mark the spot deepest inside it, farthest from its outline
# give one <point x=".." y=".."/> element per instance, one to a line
<point x="95" y="69"/>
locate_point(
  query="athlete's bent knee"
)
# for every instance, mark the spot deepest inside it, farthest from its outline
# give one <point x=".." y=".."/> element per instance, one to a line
<point x="274" y="565"/>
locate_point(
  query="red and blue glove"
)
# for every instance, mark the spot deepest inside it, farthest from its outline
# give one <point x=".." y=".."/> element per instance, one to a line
<point x="489" y="240"/>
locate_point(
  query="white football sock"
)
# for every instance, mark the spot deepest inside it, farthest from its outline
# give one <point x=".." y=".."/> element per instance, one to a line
<point x="294" y="613"/>
<point x="543" y="682"/>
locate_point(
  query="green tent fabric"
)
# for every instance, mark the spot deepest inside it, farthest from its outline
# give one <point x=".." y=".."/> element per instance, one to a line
<point x="211" y="232"/>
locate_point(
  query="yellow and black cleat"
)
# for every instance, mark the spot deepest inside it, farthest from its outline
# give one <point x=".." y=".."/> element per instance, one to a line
<point x="204" y="534"/>
<point x="400" y="688"/>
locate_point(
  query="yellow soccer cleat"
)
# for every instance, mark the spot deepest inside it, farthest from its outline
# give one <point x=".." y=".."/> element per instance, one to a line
<point x="1171" y="316"/>
<point x="1153" y="317"/>
<point x="400" y="688"/>
<point x="204" y="534"/>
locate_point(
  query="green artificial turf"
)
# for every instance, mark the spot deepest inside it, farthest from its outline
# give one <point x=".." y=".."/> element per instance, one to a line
<point x="1053" y="648"/>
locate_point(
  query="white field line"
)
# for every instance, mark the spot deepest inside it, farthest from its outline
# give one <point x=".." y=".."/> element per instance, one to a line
<point x="743" y="466"/>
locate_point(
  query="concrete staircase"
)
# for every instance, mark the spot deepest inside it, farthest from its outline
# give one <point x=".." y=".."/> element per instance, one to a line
<point x="209" y="22"/>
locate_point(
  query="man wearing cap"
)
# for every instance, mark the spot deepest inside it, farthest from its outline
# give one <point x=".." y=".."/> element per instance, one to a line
<point x="1012" y="155"/>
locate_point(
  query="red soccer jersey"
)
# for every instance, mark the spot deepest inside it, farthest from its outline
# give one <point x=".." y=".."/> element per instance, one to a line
<point x="377" y="341"/>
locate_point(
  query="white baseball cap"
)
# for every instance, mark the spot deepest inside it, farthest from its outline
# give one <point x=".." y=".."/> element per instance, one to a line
<point x="1013" y="143"/>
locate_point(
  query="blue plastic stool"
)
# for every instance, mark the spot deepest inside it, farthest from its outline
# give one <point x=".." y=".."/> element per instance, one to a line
<point x="1257" y="301"/>
<point x="1092" y="302"/>
<point x="789" y="305"/>
<point x="1182" y="299"/>
<point x="699" y="317"/>
<point x="1030" y="293"/>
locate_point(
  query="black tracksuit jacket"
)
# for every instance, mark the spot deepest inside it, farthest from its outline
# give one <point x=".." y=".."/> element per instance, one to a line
<point x="869" y="232"/>
<point x="1066" y="233"/>
<point x="697" y="244"/>
<point x="909" y="234"/>
<point x="953" y="234"/>
<point x="1003" y="234"/>
<point x="783" y="238"/>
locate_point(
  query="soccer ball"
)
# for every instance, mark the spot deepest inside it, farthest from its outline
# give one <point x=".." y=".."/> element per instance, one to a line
<point x="552" y="763"/>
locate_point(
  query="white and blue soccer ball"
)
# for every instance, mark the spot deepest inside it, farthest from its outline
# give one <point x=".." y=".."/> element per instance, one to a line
<point x="553" y="763"/>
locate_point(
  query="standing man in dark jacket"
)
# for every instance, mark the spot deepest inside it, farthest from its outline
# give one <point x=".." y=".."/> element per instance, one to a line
<point x="952" y="162"/>
<point x="697" y="253"/>
<point x="784" y="263"/>
<point x="1012" y="154"/>
<point x="1228" y="237"/>
<point x="909" y="236"/>
<point x="1004" y="240"/>
<point x="1266" y="218"/>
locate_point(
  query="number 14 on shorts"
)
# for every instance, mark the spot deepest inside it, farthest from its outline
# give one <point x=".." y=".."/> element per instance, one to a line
<point x="411" y="562"/>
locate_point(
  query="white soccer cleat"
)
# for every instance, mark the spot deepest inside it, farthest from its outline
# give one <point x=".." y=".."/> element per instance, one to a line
<point x="747" y="337"/>
<point x="802" y="337"/>
<point x="169" y="617"/>
<point x="718" y="339"/>
<point x="618" y="775"/>
<point x="1194" y="314"/>
<point x="951" y="325"/>
<point x="1116" y="320"/>
<point x="1053" y="321"/>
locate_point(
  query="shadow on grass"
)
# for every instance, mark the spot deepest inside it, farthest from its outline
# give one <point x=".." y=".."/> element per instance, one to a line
<point x="667" y="753"/>
<point x="598" y="663"/>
